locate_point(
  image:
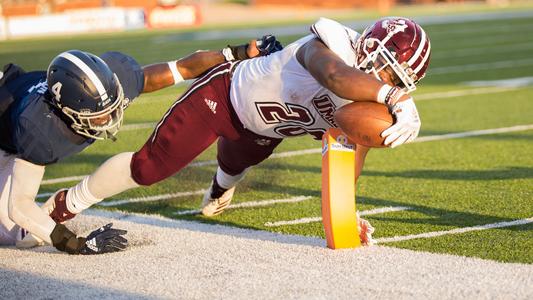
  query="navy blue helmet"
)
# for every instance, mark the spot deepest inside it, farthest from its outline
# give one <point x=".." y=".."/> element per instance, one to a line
<point x="86" y="90"/>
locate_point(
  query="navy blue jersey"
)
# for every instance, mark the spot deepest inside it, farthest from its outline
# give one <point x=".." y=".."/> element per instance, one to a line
<point x="36" y="131"/>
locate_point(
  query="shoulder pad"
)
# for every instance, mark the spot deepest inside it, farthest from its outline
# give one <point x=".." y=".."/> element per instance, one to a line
<point x="338" y="38"/>
<point x="129" y="72"/>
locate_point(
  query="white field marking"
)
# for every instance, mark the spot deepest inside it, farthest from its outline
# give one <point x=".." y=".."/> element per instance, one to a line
<point x="138" y="126"/>
<point x="152" y="198"/>
<point x="457" y="135"/>
<point x="482" y="66"/>
<point x="455" y="231"/>
<point x="249" y="204"/>
<point x="44" y="195"/>
<point x="510" y="83"/>
<point x="63" y="179"/>
<point x="318" y="150"/>
<point x="465" y="52"/>
<point x="319" y="219"/>
<point x="481" y="29"/>
<point x="467" y="92"/>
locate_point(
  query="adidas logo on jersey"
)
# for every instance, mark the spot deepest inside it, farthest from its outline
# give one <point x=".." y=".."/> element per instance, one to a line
<point x="212" y="105"/>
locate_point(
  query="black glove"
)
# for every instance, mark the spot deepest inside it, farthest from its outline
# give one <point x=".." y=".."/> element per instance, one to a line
<point x="268" y="45"/>
<point x="104" y="240"/>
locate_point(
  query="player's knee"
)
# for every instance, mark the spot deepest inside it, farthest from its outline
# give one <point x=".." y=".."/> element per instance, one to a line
<point x="144" y="170"/>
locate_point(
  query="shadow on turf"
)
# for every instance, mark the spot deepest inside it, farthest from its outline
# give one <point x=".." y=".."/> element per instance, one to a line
<point x="23" y="285"/>
<point x="495" y="174"/>
<point x="212" y="226"/>
<point x="511" y="172"/>
<point x="435" y="216"/>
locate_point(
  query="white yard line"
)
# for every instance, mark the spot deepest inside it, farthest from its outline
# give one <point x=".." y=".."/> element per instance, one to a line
<point x="63" y="179"/>
<point x="152" y="198"/>
<point x="509" y="82"/>
<point x="138" y="126"/>
<point x="319" y="219"/>
<point x="466" y="92"/>
<point x="318" y="150"/>
<point x="455" y="231"/>
<point x="44" y="195"/>
<point x="465" y="52"/>
<point x="249" y="204"/>
<point x="482" y="66"/>
<point x="472" y="133"/>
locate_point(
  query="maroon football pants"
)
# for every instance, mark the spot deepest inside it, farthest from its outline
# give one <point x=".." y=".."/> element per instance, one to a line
<point x="200" y="116"/>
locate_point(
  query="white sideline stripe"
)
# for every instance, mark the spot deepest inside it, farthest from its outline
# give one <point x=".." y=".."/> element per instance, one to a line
<point x="138" y="126"/>
<point x="483" y="66"/>
<point x="64" y="179"/>
<point x="511" y="82"/>
<point x="44" y="195"/>
<point x="152" y="198"/>
<point x="475" y="51"/>
<point x="472" y="133"/>
<point x="249" y="204"/>
<point x="318" y="219"/>
<point x="318" y="150"/>
<point x="455" y="231"/>
<point x="459" y="93"/>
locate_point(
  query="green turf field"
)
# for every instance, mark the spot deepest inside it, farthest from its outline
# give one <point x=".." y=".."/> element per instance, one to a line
<point x="445" y="184"/>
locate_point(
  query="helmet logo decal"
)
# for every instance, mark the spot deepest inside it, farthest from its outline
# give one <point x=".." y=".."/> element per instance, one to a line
<point x="394" y="26"/>
<point x="56" y="90"/>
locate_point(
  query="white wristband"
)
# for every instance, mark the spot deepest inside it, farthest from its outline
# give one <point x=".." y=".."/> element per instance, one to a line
<point x="175" y="73"/>
<point x="383" y="92"/>
<point x="390" y="95"/>
<point x="228" y="55"/>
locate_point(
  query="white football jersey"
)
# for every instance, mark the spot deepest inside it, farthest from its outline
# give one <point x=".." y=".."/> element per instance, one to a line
<point x="277" y="97"/>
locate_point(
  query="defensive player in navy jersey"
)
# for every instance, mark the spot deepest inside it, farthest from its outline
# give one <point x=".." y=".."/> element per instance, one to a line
<point x="46" y="116"/>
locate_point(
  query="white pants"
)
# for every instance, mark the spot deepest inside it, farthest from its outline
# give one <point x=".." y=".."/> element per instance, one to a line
<point x="8" y="229"/>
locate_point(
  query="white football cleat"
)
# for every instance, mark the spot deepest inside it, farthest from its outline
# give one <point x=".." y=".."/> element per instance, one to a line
<point x="26" y="240"/>
<point x="212" y="207"/>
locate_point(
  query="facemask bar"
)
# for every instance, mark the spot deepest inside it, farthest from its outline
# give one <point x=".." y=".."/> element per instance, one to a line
<point x="404" y="71"/>
<point x="84" y="123"/>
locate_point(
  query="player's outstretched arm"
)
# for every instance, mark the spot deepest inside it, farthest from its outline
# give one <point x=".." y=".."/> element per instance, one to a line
<point x="334" y="74"/>
<point x="161" y="75"/>
<point x="350" y="83"/>
<point x="22" y="209"/>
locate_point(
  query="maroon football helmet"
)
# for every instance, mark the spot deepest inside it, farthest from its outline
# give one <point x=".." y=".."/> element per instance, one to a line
<point x="398" y="43"/>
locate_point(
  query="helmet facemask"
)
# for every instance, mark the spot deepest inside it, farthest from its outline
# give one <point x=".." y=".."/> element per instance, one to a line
<point x="89" y="124"/>
<point x="377" y="60"/>
<point x="398" y="46"/>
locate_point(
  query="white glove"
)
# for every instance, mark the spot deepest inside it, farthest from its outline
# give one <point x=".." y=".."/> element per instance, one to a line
<point x="407" y="124"/>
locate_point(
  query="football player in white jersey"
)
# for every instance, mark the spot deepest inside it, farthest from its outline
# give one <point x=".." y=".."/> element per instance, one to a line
<point x="251" y="106"/>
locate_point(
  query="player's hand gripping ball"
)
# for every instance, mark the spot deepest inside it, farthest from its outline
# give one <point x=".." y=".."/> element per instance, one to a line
<point x="364" y="122"/>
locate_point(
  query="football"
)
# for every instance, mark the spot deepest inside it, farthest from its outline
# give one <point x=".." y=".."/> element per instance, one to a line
<point x="364" y="122"/>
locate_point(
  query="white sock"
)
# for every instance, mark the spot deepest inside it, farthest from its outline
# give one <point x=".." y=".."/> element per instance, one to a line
<point x="227" y="181"/>
<point x="111" y="178"/>
<point x="79" y="197"/>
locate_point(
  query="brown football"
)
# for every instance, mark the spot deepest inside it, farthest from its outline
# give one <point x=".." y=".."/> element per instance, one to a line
<point x="364" y="122"/>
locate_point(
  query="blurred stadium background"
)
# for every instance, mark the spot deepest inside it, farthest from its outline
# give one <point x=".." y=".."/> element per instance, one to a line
<point x="26" y="18"/>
